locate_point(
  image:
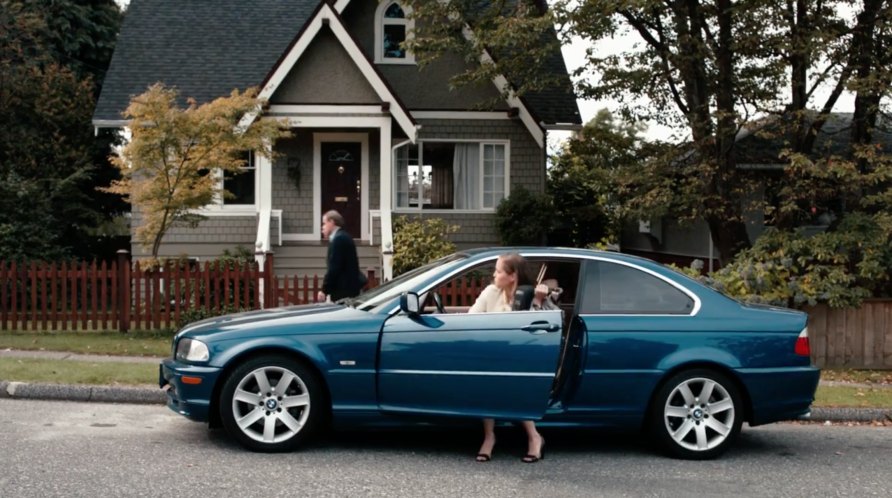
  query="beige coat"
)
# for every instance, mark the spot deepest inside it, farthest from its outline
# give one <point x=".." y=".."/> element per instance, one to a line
<point x="490" y="300"/>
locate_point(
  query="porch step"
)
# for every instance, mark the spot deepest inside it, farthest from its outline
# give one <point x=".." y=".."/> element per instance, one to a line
<point x="308" y="259"/>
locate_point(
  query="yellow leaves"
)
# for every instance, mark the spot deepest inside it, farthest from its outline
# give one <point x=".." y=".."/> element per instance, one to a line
<point x="167" y="167"/>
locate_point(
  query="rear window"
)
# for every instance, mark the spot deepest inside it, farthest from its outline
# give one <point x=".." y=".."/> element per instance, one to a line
<point x="611" y="288"/>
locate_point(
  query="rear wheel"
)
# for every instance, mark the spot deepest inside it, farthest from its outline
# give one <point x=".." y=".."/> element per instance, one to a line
<point x="272" y="403"/>
<point x="697" y="414"/>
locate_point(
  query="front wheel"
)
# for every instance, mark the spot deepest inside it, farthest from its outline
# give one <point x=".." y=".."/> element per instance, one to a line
<point x="271" y="403"/>
<point x="697" y="414"/>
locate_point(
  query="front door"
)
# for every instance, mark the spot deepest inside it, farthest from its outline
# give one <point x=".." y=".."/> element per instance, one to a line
<point x="498" y="365"/>
<point x="342" y="183"/>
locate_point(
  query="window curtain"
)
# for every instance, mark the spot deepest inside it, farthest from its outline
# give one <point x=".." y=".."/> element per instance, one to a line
<point x="466" y="176"/>
<point x="441" y="187"/>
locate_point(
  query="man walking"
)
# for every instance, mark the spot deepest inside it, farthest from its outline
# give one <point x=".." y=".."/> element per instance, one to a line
<point x="342" y="277"/>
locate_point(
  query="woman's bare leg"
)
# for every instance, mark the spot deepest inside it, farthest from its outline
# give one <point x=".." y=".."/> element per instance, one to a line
<point x="489" y="440"/>
<point x="534" y="439"/>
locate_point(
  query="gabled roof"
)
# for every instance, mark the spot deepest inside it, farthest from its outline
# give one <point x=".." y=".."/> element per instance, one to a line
<point x="206" y="49"/>
<point x="763" y="144"/>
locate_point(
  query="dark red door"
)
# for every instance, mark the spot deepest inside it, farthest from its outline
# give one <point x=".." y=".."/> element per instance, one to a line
<point x="341" y="183"/>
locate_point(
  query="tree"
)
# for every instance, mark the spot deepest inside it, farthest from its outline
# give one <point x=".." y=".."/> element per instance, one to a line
<point x="592" y="178"/>
<point x="708" y="69"/>
<point x="51" y="53"/>
<point x="167" y="167"/>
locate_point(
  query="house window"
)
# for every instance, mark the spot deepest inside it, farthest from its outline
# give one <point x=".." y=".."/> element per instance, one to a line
<point x="392" y="28"/>
<point x="451" y="175"/>
<point x="241" y="185"/>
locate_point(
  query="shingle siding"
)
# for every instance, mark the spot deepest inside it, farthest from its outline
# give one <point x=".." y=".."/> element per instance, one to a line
<point x="208" y="239"/>
<point x="296" y="203"/>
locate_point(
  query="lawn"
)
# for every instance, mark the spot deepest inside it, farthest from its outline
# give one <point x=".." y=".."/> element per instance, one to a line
<point x="77" y="372"/>
<point x="110" y="343"/>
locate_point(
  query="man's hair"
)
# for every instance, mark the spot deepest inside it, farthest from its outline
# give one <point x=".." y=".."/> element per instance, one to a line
<point x="335" y="217"/>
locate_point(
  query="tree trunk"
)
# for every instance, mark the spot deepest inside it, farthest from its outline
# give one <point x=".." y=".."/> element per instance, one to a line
<point x="729" y="237"/>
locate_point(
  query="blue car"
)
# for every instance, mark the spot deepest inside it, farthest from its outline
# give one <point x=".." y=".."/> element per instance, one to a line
<point x="630" y="344"/>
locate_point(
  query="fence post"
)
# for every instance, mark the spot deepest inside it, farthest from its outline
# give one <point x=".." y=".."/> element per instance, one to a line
<point x="269" y="300"/>
<point x="124" y="290"/>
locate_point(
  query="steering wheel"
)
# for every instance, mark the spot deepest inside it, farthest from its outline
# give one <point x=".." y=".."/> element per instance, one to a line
<point x="438" y="302"/>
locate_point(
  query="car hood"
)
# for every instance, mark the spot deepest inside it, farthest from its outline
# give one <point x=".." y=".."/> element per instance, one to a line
<point x="269" y="318"/>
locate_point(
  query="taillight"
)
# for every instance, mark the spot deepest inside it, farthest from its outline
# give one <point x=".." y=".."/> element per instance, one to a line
<point x="802" y="348"/>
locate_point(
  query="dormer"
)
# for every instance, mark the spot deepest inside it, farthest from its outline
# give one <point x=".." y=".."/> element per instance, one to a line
<point x="392" y="27"/>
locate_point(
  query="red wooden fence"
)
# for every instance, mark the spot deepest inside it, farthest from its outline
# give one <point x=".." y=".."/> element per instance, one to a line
<point x="122" y="296"/>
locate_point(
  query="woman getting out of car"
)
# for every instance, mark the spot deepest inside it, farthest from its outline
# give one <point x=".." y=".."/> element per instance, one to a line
<point x="511" y="271"/>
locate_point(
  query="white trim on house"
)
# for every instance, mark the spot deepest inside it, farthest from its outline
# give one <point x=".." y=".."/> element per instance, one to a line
<point x="380" y="21"/>
<point x="488" y="115"/>
<point x="327" y="16"/>
<point x="326" y="109"/>
<point x="501" y="84"/>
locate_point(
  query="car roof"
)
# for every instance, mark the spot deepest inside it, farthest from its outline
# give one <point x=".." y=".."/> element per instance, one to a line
<point x="563" y="251"/>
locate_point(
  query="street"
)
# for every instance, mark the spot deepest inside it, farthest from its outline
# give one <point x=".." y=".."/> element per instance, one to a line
<point x="96" y="449"/>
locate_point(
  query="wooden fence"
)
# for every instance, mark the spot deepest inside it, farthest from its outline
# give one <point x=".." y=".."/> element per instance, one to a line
<point x="853" y="337"/>
<point x="121" y="296"/>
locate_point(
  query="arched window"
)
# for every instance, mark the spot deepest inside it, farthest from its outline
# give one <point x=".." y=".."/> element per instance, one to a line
<point x="392" y="28"/>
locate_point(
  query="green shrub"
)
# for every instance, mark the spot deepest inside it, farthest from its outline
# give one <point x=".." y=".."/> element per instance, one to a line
<point x="841" y="267"/>
<point x="524" y="218"/>
<point x="418" y="242"/>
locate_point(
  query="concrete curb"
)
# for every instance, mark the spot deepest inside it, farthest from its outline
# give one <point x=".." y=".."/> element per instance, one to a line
<point x="69" y="392"/>
<point x="820" y="414"/>
<point x="153" y="395"/>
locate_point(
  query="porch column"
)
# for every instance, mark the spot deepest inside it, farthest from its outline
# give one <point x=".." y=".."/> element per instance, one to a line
<point x="386" y="202"/>
<point x="263" y="192"/>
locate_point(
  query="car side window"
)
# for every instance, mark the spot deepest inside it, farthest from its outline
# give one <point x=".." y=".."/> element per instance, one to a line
<point x="612" y="288"/>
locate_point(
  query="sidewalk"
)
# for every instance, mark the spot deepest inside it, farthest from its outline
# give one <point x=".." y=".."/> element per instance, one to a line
<point x="152" y="394"/>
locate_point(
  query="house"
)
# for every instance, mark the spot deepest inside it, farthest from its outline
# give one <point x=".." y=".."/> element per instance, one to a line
<point x="757" y="149"/>
<point x="372" y="135"/>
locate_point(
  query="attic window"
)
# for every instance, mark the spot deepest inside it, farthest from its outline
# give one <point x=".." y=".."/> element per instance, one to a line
<point x="392" y="28"/>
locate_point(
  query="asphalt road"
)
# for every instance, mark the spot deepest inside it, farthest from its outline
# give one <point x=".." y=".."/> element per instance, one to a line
<point x="56" y="448"/>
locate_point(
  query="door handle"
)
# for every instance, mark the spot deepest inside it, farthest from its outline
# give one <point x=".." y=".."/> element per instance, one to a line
<point x="536" y="328"/>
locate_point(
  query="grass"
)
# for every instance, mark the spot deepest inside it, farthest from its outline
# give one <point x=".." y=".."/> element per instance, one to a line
<point x="850" y="396"/>
<point x="111" y="343"/>
<point x="77" y="372"/>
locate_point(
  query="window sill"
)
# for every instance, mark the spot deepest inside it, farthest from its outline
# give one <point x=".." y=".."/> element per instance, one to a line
<point x="442" y="211"/>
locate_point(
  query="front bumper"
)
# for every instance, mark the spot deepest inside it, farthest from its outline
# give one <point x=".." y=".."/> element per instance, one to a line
<point x="190" y="397"/>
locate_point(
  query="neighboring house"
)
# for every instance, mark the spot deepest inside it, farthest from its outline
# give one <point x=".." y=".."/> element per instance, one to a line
<point x="667" y="241"/>
<point x="372" y="135"/>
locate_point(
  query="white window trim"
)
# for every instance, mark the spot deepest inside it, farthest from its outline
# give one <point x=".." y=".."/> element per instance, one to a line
<point x="218" y="208"/>
<point x="420" y="209"/>
<point x="380" y="21"/>
<point x="252" y="161"/>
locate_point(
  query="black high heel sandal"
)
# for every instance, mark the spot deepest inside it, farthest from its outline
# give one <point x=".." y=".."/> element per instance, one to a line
<point x="529" y="458"/>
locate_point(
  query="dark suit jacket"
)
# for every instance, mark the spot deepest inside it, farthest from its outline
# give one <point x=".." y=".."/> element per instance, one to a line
<point x="342" y="279"/>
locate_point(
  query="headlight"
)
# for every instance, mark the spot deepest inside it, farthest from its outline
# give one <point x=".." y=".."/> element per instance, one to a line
<point x="192" y="350"/>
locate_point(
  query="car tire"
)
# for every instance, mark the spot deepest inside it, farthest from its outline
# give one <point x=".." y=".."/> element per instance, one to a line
<point x="264" y="416"/>
<point x="696" y="414"/>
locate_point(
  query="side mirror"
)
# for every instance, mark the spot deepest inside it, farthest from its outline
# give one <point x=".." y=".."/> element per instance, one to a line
<point x="409" y="303"/>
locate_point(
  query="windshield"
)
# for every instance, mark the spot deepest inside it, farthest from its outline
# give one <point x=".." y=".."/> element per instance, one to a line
<point x="410" y="280"/>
